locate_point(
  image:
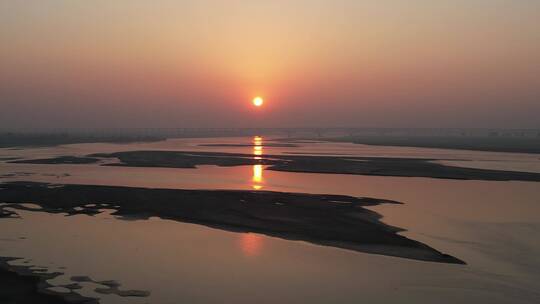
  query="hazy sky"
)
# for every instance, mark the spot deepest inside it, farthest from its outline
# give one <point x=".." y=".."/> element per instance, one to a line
<point x="161" y="63"/>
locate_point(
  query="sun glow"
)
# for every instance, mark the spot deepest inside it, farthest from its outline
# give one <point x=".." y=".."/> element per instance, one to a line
<point x="258" y="101"/>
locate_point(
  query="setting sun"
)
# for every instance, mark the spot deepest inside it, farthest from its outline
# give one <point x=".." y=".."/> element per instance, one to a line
<point x="258" y="101"/>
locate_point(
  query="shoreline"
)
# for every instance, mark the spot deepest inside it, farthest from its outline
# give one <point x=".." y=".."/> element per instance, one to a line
<point x="331" y="220"/>
<point x="22" y="285"/>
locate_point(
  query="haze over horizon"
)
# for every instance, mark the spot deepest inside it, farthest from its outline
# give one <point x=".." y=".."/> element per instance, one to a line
<point x="164" y="63"/>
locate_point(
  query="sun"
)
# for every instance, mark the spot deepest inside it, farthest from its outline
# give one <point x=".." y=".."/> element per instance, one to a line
<point x="258" y="101"/>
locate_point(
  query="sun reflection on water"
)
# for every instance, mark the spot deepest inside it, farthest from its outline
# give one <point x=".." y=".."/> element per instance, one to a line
<point x="257" y="178"/>
<point x="251" y="244"/>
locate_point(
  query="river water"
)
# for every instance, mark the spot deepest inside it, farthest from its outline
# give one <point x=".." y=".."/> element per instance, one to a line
<point x="493" y="226"/>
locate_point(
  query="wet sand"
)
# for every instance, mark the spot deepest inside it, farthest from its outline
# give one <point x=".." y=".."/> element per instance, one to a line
<point x="379" y="166"/>
<point x="331" y="220"/>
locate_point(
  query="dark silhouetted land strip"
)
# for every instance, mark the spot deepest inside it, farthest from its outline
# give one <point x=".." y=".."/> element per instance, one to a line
<point x="8" y="158"/>
<point x="59" y="160"/>
<point x="494" y="143"/>
<point x="174" y="159"/>
<point x="26" y="287"/>
<point x="380" y="166"/>
<point x="401" y="167"/>
<point x="332" y="220"/>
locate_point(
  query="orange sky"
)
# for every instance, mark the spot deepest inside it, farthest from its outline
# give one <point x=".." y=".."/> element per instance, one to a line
<point x="414" y="63"/>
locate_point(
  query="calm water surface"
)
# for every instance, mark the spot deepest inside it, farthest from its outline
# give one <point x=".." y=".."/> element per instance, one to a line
<point x="493" y="226"/>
